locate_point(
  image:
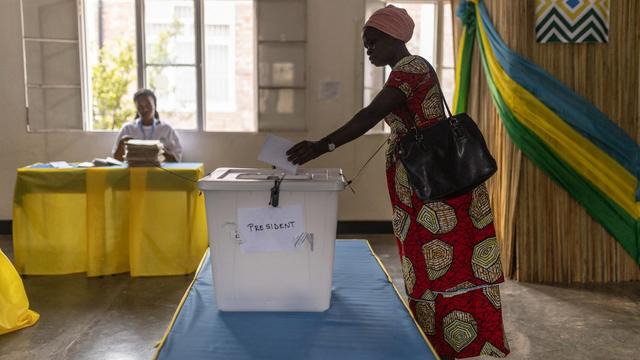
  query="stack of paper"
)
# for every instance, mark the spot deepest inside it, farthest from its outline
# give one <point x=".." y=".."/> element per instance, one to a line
<point x="144" y="152"/>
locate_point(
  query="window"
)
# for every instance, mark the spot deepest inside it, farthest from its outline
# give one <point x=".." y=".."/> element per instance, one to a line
<point x="111" y="62"/>
<point x="432" y="39"/>
<point x="53" y="80"/>
<point x="169" y="59"/>
<point x="202" y="58"/>
<point x="281" y="65"/>
<point x="229" y="66"/>
<point x="177" y="35"/>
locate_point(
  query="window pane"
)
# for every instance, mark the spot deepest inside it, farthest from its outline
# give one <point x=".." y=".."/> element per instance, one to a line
<point x="447" y="80"/>
<point x="423" y="42"/>
<point x="273" y="26"/>
<point x="282" y="64"/>
<point x="111" y="59"/>
<point x="52" y="63"/>
<point x="51" y="19"/>
<point x="219" y="77"/>
<point x="447" y="38"/>
<point x="175" y="89"/>
<point x="55" y="109"/>
<point x="282" y="109"/>
<point x="373" y="76"/>
<point x="169" y="32"/>
<point x="229" y="65"/>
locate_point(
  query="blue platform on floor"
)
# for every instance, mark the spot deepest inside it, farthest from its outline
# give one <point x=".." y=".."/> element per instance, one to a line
<point x="367" y="320"/>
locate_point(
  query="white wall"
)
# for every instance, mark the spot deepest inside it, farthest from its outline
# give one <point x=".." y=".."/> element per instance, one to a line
<point x="334" y="53"/>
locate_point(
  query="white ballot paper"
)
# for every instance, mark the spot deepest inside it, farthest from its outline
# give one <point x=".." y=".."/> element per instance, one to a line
<point x="271" y="229"/>
<point x="274" y="152"/>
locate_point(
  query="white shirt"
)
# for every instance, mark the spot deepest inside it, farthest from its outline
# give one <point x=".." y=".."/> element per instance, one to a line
<point x="160" y="130"/>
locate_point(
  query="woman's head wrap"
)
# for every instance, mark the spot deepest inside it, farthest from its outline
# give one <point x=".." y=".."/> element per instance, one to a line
<point x="393" y="21"/>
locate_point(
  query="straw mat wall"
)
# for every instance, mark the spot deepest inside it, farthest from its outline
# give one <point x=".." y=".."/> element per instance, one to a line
<point x="546" y="236"/>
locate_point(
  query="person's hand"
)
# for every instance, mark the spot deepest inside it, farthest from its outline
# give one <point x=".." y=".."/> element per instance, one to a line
<point x="305" y="151"/>
<point x="169" y="157"/>
<point x="119" y="153"/>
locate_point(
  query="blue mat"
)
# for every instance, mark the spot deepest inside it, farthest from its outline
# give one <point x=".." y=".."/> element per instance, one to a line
<point x="366" y="320"/>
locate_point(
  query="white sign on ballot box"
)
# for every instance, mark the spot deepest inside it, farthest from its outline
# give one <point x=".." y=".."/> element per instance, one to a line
<point x="272" y="229"/>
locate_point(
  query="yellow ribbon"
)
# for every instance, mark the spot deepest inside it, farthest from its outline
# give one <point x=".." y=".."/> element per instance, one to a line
<point x="583" y="156"/>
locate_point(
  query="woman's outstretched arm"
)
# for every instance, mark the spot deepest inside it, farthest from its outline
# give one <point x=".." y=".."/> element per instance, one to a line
<point x="387" y="100"/>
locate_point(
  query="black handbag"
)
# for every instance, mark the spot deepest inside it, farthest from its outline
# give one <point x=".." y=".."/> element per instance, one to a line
<point x="446" y="159"/>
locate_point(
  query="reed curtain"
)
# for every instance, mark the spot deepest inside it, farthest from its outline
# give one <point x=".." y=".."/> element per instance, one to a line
<point x="547" y="236"/>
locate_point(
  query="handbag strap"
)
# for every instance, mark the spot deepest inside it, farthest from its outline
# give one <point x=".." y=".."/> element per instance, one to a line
<point x="444" y="101"/>
<point x="349" y="182"/>
<point x="366" y="163"/>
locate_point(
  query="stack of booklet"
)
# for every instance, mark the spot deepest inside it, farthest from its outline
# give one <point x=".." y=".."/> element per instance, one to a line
<point x="144" y="152"/>
<point x="108" y="161"/>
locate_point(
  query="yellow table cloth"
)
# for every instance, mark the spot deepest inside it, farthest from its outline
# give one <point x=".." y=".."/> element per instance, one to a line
<point x="108" y="220"/>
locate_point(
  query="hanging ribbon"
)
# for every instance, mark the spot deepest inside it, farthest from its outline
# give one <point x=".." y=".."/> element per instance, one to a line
<point x="592" y="158"/>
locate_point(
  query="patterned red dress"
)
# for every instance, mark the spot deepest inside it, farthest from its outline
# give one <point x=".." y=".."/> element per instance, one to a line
<point x="449" y="253"/>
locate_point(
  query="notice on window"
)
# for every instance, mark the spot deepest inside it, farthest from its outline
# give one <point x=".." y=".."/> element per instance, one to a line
<point x="271" y="229"/>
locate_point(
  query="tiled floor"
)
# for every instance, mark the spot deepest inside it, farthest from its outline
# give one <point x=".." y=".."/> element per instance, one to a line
<point x="119" y="317"/>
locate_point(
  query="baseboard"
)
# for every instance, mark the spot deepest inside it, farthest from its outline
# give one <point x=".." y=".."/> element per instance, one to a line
<point x="364" y="227"/>
<point x="5" y="227"/>
<point x="344" y="227"/>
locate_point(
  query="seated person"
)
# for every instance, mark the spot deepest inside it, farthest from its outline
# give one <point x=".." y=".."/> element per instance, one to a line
<point x="147" y="126"/>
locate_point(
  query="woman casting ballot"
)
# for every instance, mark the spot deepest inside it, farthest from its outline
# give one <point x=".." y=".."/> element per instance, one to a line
<point x="448" y="249"/>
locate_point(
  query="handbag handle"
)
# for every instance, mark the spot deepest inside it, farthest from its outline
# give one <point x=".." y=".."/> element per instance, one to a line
<point x="444" y="101"/>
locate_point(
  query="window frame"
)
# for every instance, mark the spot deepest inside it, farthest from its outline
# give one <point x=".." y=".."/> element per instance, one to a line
<point x="228" y="105"/>
<point x="82" y="70"/>
<point x="142" y="64"/>
<point x="87" y="118"/>
<point x="382" y="127"/>
<point x="200" y="67"/>
<point x="84" y="104"/>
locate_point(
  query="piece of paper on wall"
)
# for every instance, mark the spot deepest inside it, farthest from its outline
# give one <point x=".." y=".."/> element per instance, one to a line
<point x="329" y="90"/>
<point x="572" y="21"/>
<point x="274" y="152"/>
<point x="271" y="229"/>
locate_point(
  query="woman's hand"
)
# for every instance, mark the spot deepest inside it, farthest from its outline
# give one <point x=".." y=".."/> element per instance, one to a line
<point x="305" y="151"/>
<point x="169" y="157"/>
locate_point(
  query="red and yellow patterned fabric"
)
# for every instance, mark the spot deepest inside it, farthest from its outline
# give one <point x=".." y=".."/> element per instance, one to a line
<point x="449" y="252"/>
